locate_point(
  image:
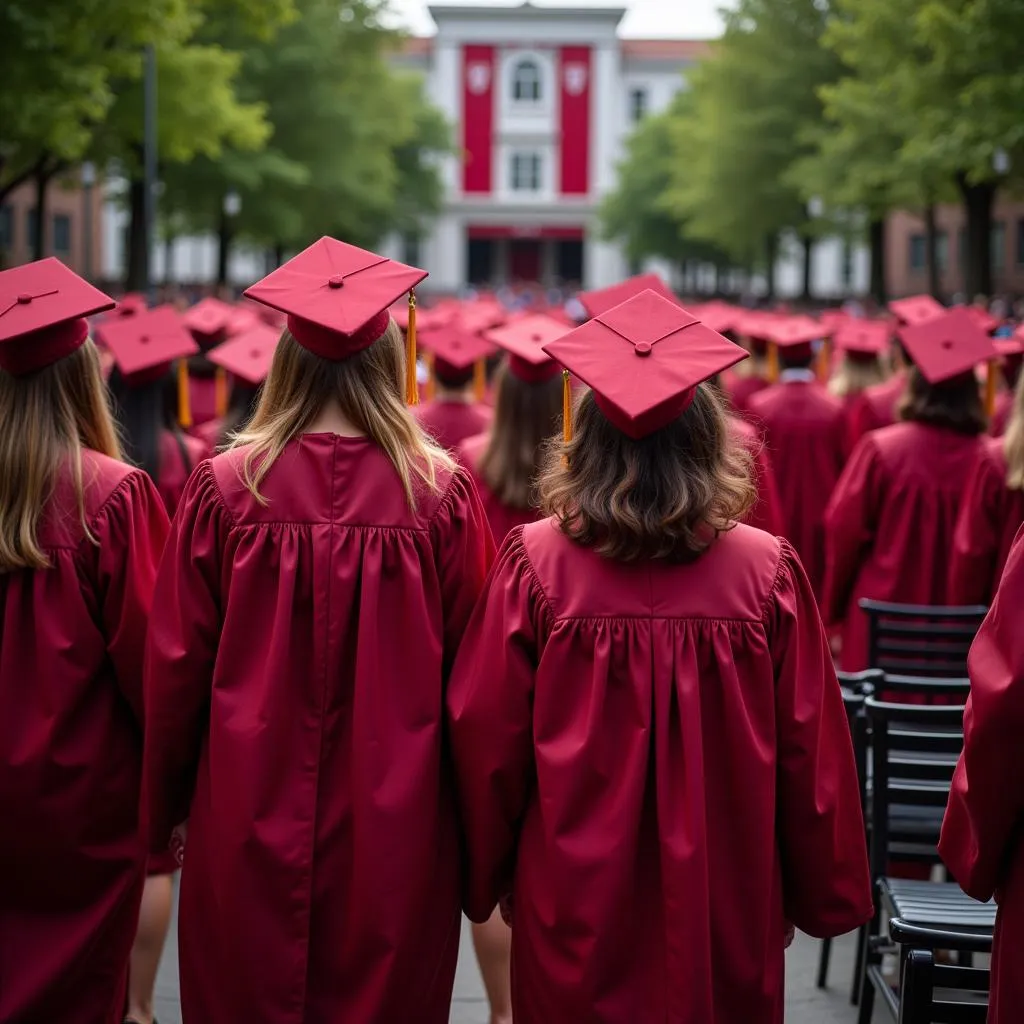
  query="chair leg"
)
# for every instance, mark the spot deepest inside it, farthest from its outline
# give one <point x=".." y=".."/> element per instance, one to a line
<point x="858" y="964"/>
<point x="867" y="1000"/>
<point x="823" y="960"/>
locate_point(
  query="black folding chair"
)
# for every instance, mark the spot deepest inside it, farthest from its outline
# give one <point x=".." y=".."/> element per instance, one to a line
<point x="914" y="749"/>
<point x="933" y="991"/>
<point x="921" y="640"/>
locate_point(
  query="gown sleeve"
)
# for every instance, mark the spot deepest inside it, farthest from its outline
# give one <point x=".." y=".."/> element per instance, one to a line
<point x="972" y="566"/>
<point x="465" y="551"/>
<point x="822" y="842"/>
<point x="767" y="512"/>
<point x="986" y="802"/>
<point x="183" y="637"/>
<point x="490" y="700"/>
<point x="130" y="531"/>
<point x="850" y="524"/>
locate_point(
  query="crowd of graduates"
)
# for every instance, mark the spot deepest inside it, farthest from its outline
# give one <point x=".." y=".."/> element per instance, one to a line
<point x="371" y="612"/>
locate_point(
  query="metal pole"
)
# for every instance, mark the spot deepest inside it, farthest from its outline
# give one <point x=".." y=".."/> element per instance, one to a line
<point x="88" y="180"/>
<point x="149" y="161"/>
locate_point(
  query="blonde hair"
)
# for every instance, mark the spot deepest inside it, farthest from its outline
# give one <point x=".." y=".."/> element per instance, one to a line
<point x="854" y="375"/>
<point x="1013" y="441"/>
<point x="369" y="388"/>
<point x="46" y="419"/>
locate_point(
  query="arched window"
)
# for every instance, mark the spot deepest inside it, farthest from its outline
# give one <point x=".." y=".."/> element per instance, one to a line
<point x="526" y="81"/>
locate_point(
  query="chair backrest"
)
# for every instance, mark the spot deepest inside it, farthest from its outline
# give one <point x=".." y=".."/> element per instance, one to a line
<point x="929" y="689"/>
<point x="933" y="992"/>
<point x="914" y="750"/>
<point x="857" y="718"/>
<point x="921" y="640"/>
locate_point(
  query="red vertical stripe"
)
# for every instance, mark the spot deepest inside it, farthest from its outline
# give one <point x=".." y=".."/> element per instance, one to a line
<point x="574" y="72"/>
<point x="477" y="117"/>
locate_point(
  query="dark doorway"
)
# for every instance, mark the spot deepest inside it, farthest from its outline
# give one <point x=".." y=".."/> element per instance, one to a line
<point x="480" y="261"/>
<point x="524" y="259"/>
<point x="569" y="260"/>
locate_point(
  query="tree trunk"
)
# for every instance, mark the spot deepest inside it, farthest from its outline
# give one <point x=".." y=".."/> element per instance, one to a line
<point x="931" y="252"/>
<point x="223" y="247"/>
<point x="808" y="266"/>
<point x="169" y="259"/>
<point x="876" y="243"/>
<point x="978" y="200"/>
<point x="278" y="255"/>
<point x="137" y="271"/>
<point x="718" y="279"/>
<point x="42" y="182"/>
<point x="771" y="248"/>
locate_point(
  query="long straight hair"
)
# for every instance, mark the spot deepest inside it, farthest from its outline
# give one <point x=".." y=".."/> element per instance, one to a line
<point x="46" y="419"/>
<point x="854" y="375"/>
<point x="368" y="387"/>
<point x="1013" y="441"/>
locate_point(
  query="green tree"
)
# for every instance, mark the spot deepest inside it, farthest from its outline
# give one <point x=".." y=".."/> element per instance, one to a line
<point x="754" y="101"/>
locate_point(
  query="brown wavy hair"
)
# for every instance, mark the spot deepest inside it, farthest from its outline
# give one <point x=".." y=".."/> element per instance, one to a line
<point x="368" y="386"/>
<point x="666" y="496"/>
<point x="46" y="419"/>
<point x="1013" y="442"/>
<point x="526" y="415"/>
<point x="954" y="404"/>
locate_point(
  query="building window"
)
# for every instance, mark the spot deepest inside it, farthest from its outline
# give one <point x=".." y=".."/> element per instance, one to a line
<point x="411" y="249"/>
<point x="637" y="105"/>
<point x="6" y="228"/>
<point x="847" y="267"/>
<point x="917" y="252"/>
<point x="525" y="172"/>
<point x="942" y="251"/>
<point x="526" y="81"/>
<point x="997" y="242"/>
<point x="31" y="229"/>
<point x="61" y="234"/>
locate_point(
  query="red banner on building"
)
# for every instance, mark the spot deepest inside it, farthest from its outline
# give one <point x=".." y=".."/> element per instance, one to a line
<point x="574" y="68"/>
<point x="477" y="117"/>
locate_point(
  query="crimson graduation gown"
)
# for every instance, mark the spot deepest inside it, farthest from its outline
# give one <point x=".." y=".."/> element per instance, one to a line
<point x="767" y="512"/>
<point x="804" y="430"/>
<point x="981" y="839"/>
<point x="653" y="760"/>
<point x="450" y="423"/>
<point x="295" y="677"/>
<point x="990" y="516"/>
<point x="71" y="850"/>
<point x="875" y="407"/>
<point x="503" y="518"/>
<point x="890" y="525"/>
<point x="174" y="471"/>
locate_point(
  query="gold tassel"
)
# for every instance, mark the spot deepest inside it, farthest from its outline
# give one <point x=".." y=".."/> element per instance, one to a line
<point x="824" y="364"/>
<point x="431" y="389"/>
<point x="184" y="398"/>
<point x="220" y="383"/>
<point x="480" y="379"/>
<point x="412" y="392"/>
<point x="566" y="407"/>
<point x="772" y="363"/>
<point x="991" y="384"/>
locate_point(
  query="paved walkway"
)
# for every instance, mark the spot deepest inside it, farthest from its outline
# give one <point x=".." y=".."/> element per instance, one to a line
<point x="804" y="1003"/>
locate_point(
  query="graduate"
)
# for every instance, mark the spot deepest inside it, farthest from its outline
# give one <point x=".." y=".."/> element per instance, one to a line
<point x="766" y="513"/>
<point x="210" y="321"/>
<point x="318" y="579"/>
<point x="891" y="520"/>
<point x="529" y="403"/>
<point x="981" y="835"/>
<point x="458" y="363"/>
<point x="80" y="537"/>
<point x="991" y="513"/>
<point x="144" y="347"/>
<point x="1012" y="352"/>
<point x="805" y="431"/>
<point x="863" y="345"/>
<point x="654" y="766"/>
<point x="247" y="357"/>
<point x="746" y="379"/>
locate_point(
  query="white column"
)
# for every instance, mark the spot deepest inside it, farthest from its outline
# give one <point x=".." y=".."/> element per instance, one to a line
<point x="445" y="90"/>
<point x="548" y="263"/>
<point x="499" y="268"/>
<point x="603" y="263"/>
<point x="606" y="117"/>
<point x="445" y="254"/>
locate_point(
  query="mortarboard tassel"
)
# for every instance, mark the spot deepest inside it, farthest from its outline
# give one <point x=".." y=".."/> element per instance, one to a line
<point x="184" y="398"/>
<point x="220" y="384"/>
<point x="431" y="389"/>
<point x="412" y="393"/>
<point x="566" y="407"/>
<point x="991" y="384"/>
<point x="824" y="362"/>
<point x="772" y="368"/>
<point x="480" y="379"/>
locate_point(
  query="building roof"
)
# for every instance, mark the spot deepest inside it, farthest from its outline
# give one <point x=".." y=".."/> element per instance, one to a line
<point x="632" y="49"/>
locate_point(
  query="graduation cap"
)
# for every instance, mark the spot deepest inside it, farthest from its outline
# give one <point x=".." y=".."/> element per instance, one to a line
<point x="643" y="359"/>
<point x="719" y="316"/>
<point x="43" y="306"/>
<point x="454" y="351"/>
<point x="597" y="301"/>
<point x="243" y="318"/>
<point x="869" y="338"/>
<point x="130" y="305"/>
<point x="248" y="355"/>
<point x="336" y="297"/>
<point x="209" y="321"/>
<point x="918" y="309"/>
<point x="523" y="340"/>
<point x="145" y="345"/>
<point x="796" y="335"/>
<point x="982" y="317"/>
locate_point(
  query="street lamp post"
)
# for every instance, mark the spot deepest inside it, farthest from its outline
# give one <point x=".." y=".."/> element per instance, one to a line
<point x="88" y="181"/>
<point x="231" y="207"/>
